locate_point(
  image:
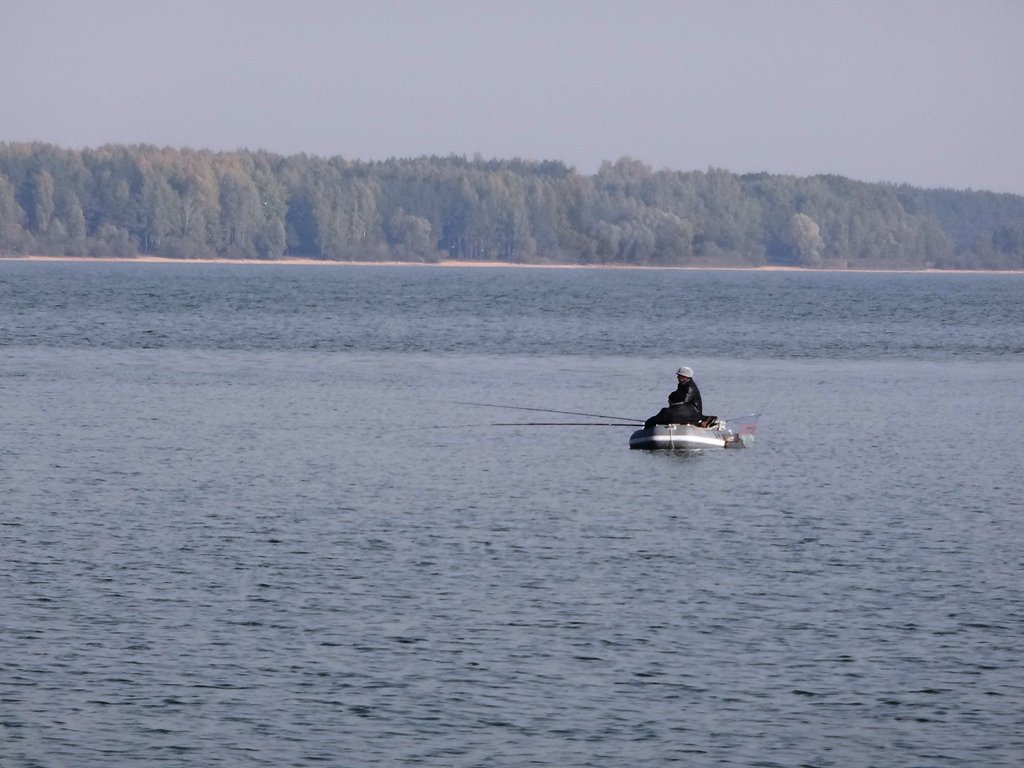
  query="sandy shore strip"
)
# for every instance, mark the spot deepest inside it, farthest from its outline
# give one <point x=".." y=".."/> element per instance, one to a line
<point x="448" y="263"/>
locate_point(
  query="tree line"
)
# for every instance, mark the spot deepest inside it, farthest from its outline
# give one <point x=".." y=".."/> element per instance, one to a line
<point x="124" y="201"/>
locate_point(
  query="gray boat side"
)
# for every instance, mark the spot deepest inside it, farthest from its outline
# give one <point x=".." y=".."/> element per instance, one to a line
<point x="684" y="437"/>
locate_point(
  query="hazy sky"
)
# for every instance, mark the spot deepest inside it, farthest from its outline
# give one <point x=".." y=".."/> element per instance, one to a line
<point x="925" y="92"/>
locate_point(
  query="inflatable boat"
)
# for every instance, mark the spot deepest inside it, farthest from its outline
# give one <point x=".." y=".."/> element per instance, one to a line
<point x="710" y="433"/>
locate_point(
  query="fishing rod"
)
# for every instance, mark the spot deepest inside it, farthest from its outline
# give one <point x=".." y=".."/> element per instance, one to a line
<point x="564" y="424"/>
<point x="549" y="410"/>
<point x="537" y="424"/>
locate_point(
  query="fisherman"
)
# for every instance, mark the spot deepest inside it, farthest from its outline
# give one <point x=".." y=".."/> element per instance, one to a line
<point x="684" y="406"/>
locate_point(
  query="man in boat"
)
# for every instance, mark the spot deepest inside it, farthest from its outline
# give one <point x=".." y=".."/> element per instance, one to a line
<point x="684" y="406"/>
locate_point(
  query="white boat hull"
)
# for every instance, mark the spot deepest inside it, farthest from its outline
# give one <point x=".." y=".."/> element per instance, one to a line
<point x="686" y="437"/>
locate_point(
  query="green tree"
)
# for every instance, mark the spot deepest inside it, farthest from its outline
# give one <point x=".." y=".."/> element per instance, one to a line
<point x="13" y="236"/>
<point x="73" y="222"/>
<point x="271" y="237"/>
<point x="805" y="239"/>
<point x="43" y="206"/>
<point x="241" y="216"/>
<point x="161" y="208"/>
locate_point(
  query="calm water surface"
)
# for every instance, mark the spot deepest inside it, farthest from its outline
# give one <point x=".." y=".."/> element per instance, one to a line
<point x="244" y="521"/>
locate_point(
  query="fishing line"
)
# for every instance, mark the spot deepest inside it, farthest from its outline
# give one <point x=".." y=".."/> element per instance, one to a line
<point x="550" y="410"/>
<point x="741" y="418"/>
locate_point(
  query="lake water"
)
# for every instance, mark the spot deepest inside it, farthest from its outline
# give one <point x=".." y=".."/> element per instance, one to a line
<point x="245" y="520"/>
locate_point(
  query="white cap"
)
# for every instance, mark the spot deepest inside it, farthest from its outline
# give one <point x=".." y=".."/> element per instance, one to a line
<point x="684" y="371"/>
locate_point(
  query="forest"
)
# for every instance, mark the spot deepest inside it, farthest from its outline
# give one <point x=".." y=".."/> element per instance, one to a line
<point x="124" y="201"/>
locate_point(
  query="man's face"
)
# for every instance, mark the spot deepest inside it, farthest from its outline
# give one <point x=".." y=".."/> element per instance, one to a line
<point x="682" y="379"/>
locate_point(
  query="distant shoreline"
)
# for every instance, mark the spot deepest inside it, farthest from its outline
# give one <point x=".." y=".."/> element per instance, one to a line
<point x="489" y="264"/>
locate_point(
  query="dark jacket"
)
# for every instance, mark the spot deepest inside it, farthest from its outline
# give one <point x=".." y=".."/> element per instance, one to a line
<point x="687" y="394"/>
<point x="684" y="407"/>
